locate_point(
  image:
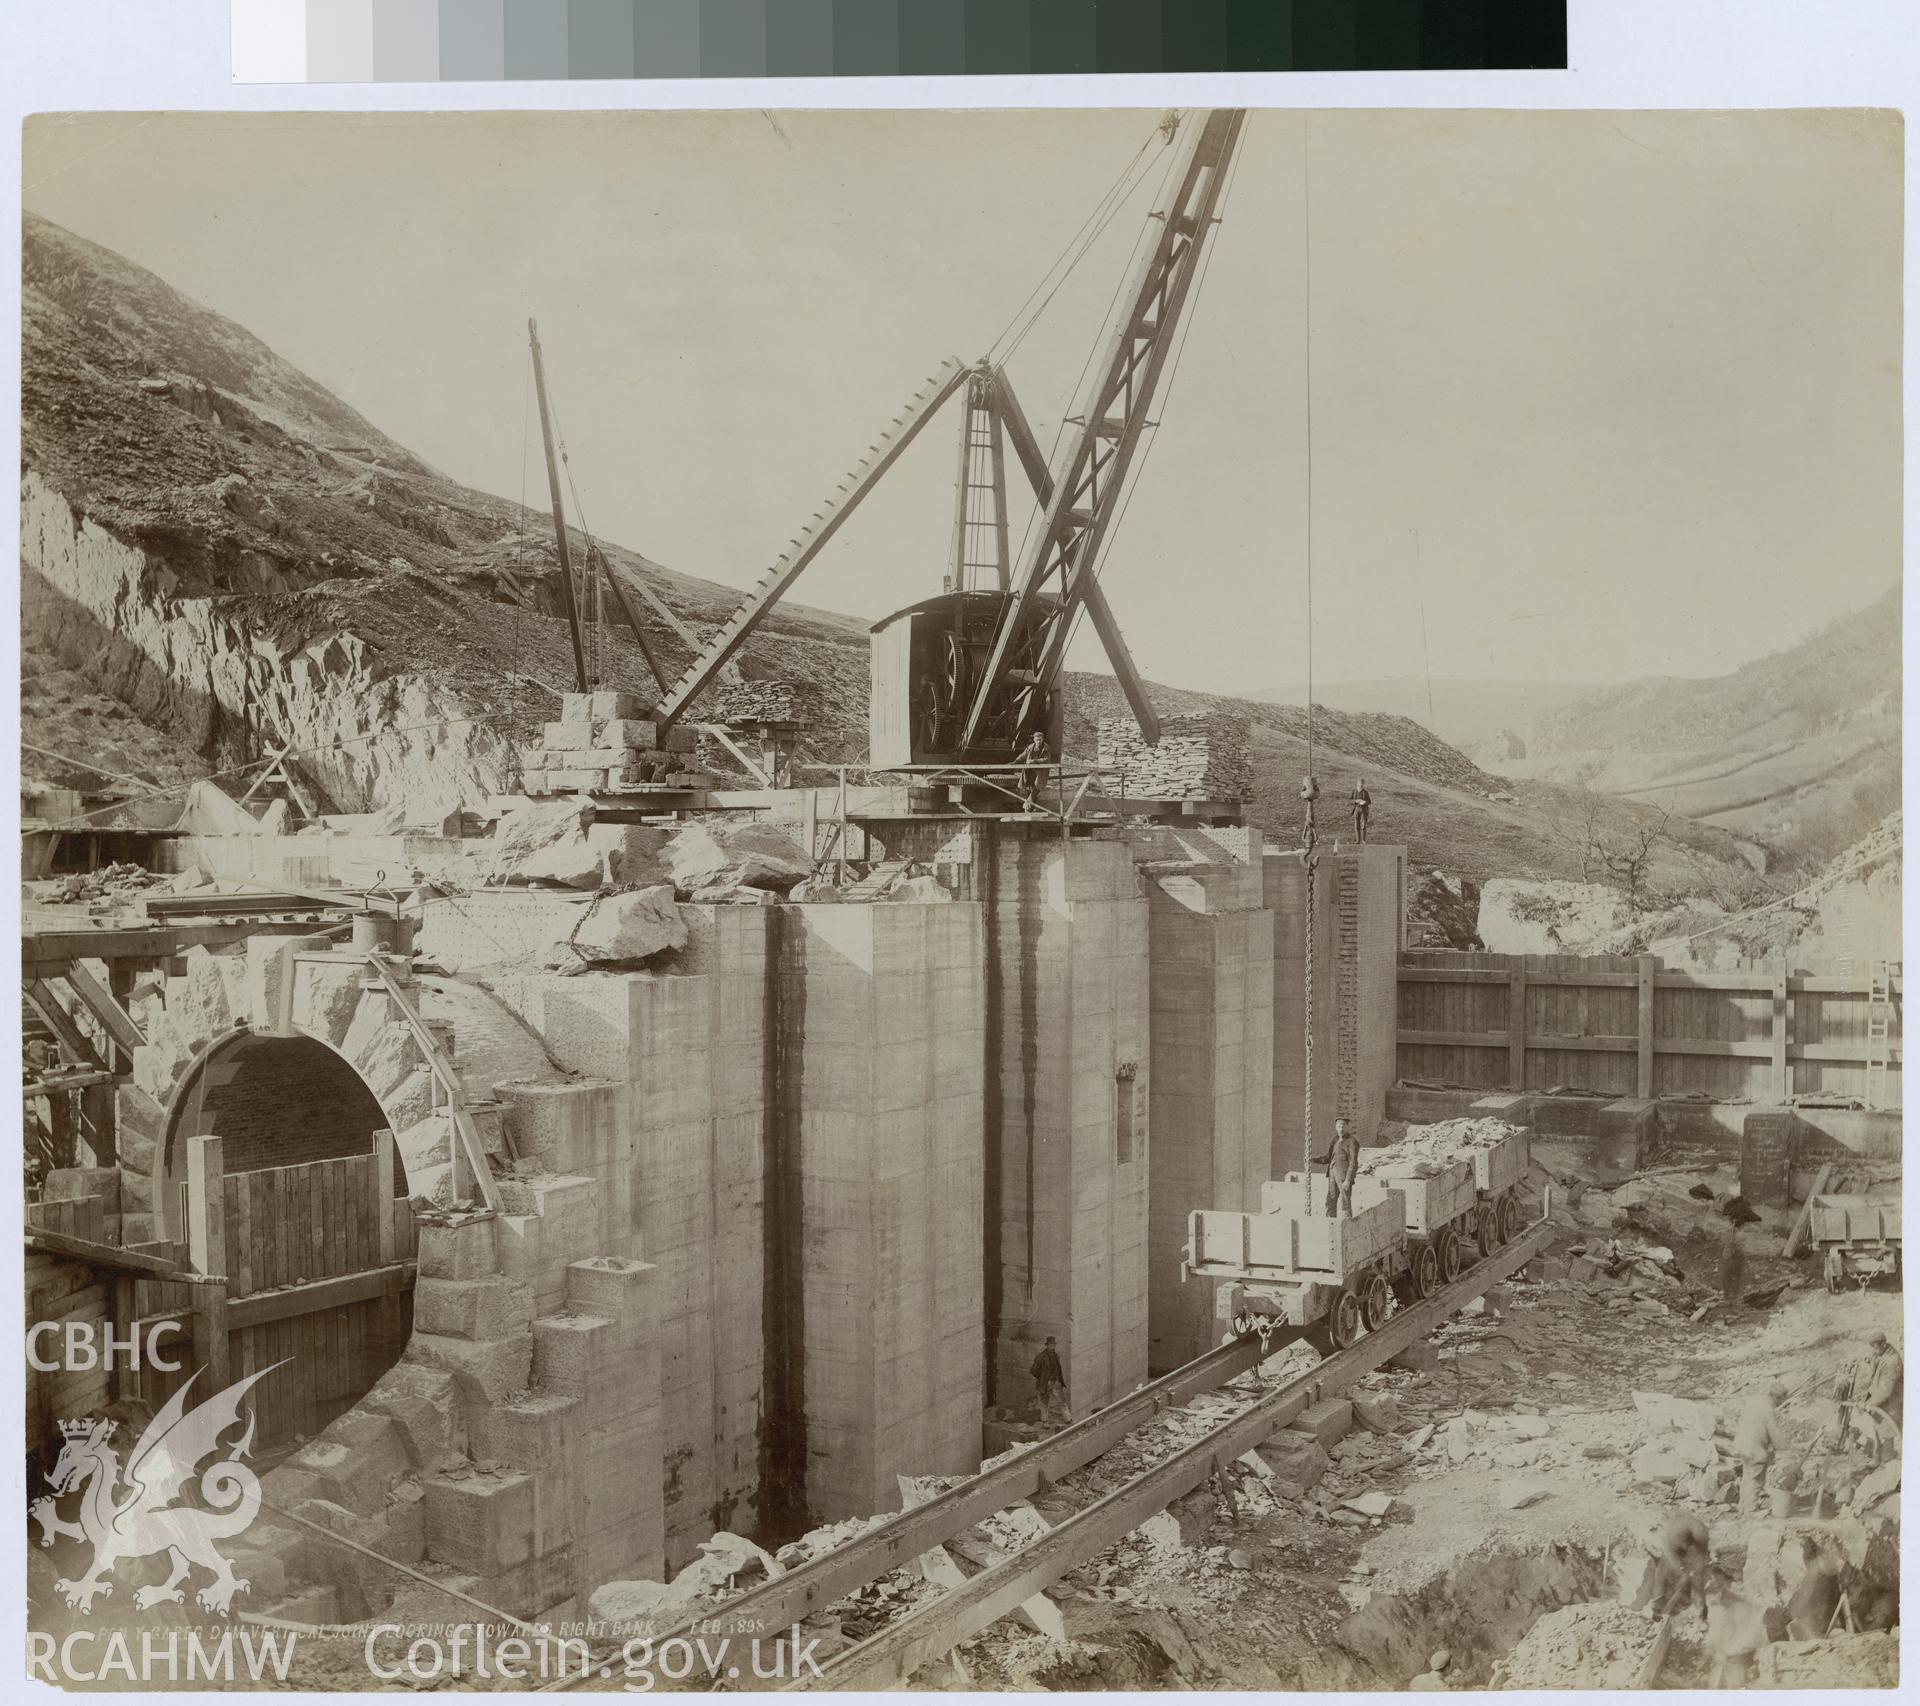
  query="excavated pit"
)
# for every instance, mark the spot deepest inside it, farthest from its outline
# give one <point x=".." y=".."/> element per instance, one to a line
<point x="1493" y="1613"/>
<point x="1479" y="1609"/>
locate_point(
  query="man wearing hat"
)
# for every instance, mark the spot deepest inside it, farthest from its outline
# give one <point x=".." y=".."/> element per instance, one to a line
<point x="1758" y="1436"/>
<point x="1050" y="1380"/>
<point x="1874" y="1383"/>
<point x="1343" y="1165"/>
<point x="1882" y="1375"/>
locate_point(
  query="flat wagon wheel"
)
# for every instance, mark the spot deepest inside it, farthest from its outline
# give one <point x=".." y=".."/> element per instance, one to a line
<point x="1426" y="1271"/>
<point x="1345" y="1320"/>
<point x="1483" y="1237"/>
<point x="1449" y="1262"/>
<point x="1509" y="1218"/>
<point x="1376" y="1302"/>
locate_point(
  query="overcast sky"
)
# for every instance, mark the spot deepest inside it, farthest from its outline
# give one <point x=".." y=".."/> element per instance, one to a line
<point x="1609" y="394"/>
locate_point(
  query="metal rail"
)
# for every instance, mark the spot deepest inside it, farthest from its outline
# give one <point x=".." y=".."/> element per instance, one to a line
<point x="889" y="1657"/>
<point x="810" y="1587"/>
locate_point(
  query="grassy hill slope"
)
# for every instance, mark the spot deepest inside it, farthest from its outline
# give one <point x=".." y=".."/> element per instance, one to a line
<point x="258" y="494"/>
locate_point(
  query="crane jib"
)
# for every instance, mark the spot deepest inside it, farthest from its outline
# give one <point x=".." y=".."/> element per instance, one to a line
<point x="1094" y="469"/>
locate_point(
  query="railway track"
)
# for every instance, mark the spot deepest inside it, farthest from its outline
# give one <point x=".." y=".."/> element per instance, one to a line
<point x="935" y="1627"/>
<point x="897" y="1542"/>
<point x="932" y="1629"/>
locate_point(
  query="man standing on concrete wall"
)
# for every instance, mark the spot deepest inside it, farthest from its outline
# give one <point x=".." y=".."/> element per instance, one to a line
<point x="1343" y="1164"/>
<point x="1360" y="803"/>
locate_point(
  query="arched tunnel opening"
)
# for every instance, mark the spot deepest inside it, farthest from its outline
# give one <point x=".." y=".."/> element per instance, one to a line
<point x="307" y="1221"/>
<point x="273" y="1102"/>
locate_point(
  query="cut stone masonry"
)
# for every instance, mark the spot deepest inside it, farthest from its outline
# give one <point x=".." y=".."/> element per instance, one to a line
<point x="785" y="1213"/>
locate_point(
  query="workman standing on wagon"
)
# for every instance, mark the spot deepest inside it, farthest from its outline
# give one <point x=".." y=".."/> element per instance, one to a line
<point x="1343" y="1165"/>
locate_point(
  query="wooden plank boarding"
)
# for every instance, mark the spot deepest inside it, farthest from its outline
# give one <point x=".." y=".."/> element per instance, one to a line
<point x="384" y="1159"/>
<point x="1804" y="1219"/>
<point x="275" y="1219"/>
<point x="1517" y="1030"/>
<point x="207" y="1240"/>
<point x="1647" y="971"/>
<point x="1781" y="1078"/>
<point x="1758" y="1035"/>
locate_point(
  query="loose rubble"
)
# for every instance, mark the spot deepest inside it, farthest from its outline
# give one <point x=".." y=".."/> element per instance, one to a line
<point x="1196" y="758"/>
<point x="1582" y="1646"/>
<point x="1432" y="1146"/>
<point x="767" y="702"/>
<point x="98" y="885"/>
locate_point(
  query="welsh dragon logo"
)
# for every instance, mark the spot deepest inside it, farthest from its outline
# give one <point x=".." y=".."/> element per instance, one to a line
<point x="141" y="1513"/>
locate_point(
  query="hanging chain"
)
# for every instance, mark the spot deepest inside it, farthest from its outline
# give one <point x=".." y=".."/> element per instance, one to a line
<point x="1310" y="863"/>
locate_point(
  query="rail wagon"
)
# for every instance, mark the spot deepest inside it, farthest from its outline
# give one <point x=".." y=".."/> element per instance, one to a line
<point x="1858" y="1238"/>
<point x="1499" y="1167"/>
<point x="1440" y="1210"/>
<point x="1291" y="1265"/>
<point x="1423" y="1211"/>
<point x="1463" y="1194"/>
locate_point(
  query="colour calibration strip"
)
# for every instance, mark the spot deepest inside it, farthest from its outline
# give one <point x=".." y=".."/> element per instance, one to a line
<point x="466" y="41"/>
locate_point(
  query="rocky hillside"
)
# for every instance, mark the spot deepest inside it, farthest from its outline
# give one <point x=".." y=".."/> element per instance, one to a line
<point x="221" y="557"/>
<point x="1800" y="750"/>
<point x="1482" y="717"/>
<point x="226" y="549"/>
<point x="1849" y="910"/>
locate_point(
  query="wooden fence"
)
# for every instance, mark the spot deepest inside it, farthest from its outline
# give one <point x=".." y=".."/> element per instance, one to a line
<point x="72" y="1217"/>
<point x="61" y="1289"/>
<point x="319" y="1267"/>
<point x="1626" y="1026"/>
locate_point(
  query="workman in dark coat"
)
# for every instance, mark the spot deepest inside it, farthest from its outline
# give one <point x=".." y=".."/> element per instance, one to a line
<point x="1360" y="803"/>
<point x="1343" y="1166"/>
<point x="1036" y="751"/>
<point x="1733" y="1268"/>
<point x="1682" y="1576"/>
<point x="1817" y="1598"/>
<point x="1051" y="1380"/>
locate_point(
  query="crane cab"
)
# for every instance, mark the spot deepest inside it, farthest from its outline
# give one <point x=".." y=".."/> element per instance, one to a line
<point x="927" y="661"/>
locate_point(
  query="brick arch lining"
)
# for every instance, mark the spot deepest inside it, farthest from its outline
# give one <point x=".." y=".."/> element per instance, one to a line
<point x="278" y="1100"/>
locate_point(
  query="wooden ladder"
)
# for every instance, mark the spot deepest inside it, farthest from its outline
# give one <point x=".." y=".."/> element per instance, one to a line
<point x="1879" y="1029"/>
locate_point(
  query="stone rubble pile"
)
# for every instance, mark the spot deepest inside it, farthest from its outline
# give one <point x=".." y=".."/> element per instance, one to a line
<point x="767" y="702"/>
<point x="96" y="885"/>
<point x="1197" y="758"/>
<point x="1438" y="1143"/>
<point x="725" y="1562"/>
<point x="1592" y="1645"/>
<point x="560" y="843"/>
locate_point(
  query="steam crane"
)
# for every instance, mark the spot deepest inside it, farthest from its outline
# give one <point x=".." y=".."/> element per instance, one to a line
<point x="965" y="679"/>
